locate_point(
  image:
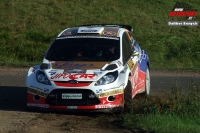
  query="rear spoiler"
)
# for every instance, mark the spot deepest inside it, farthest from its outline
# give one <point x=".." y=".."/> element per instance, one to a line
<point x="128" y="27"/>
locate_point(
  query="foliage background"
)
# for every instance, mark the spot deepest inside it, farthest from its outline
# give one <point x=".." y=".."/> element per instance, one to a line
<point x="28" y="27"/>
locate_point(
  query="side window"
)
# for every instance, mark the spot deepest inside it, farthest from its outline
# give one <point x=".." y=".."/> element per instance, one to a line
<point x="126" y="47"/>
<point x="131" y="39"/>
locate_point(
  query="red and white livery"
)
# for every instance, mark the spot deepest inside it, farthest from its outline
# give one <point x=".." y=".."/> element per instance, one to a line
<point x="95" y="67"/>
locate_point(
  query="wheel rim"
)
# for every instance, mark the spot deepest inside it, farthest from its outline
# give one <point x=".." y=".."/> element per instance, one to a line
<point x="147" y="82"/>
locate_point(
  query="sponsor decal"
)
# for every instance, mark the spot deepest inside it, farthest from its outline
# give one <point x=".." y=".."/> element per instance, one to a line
<point x="140" y="82"/>
<point x="107" y="37"/>
<point x="67" y="33"/>
<point x="109" y="33"/>
<point x="52" y="72"/>
<point x="73" y="81"/>
<point x="113" y="92"/>
<point x="73" y="65"/>
<point x="143" y="56"/>
<point x="71" y="96"/>
<point x="121" y="86"/>
<point x="88" y="30"/>
<point x="73" y="76"/>
<point x="71" y="107"/>
<point x="46" y="90"/>
<point x="99" y="91"/>
<point x="182" y="9"/>
<point x="36" y="92"/>
<point x="107" y="89"/>
<point x="74" y="71"/>
<point x="119" y="63"/>
<point x="38" y="105"/>
<point x="104" y="101"/>
<point x="107" y="106"/>
<point x="97" y="72"/>
<point x="36" y="87"/>
<point x="131" y="65"/>
<point x="137" y="81"/>
<point x="52" y="61"/>
<point x="134" y="78"/>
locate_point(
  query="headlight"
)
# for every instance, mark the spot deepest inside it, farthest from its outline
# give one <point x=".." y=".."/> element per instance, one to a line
<point x="107" y="79"/>
<point x="42" y="78"/>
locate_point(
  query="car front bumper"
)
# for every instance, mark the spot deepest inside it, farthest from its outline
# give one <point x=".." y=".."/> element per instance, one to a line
<point x="110" y="101"/>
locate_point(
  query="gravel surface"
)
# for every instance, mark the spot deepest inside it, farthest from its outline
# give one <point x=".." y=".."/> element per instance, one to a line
<point x="15" y="118"/>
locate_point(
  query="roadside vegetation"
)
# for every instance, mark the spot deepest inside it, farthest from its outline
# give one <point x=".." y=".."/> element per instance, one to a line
<point x="174" y="112"/>
<point x="179" y="112"/>
<point x="28" y="27"/>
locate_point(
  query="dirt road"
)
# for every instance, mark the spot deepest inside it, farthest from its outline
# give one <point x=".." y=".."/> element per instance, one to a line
<point x="15" y="118"/>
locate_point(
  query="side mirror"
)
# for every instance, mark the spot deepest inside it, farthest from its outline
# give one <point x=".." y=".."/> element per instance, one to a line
<point x="135" y="53"/>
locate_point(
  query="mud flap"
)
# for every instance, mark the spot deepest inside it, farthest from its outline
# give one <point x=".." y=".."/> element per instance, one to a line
<point x="128" y="92"/>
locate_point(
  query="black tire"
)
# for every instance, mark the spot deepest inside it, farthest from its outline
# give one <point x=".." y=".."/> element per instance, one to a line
<point x="147" y="85"/>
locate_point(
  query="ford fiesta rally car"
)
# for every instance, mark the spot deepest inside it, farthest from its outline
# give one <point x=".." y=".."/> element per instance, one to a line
<point x="89" y="67"/>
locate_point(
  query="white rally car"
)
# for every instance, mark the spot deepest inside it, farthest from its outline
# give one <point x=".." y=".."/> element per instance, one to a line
<point x="90" y="67"/>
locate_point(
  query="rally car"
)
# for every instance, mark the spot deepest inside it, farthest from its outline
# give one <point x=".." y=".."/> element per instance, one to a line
<point x="95" y="67"/>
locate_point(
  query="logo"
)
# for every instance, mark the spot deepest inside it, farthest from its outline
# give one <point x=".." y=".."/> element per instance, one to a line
<point x="88" y="30"/>
<point x="109" y="33"/>
<point x="99" y="91"/>
<point x="183" y="10"/>
<point x="52" y="72"/>
<point x="71" y="96"/>
<point x="73" y="82"/>
<point x="74" y="71"/>
<point x="73" y="76"/>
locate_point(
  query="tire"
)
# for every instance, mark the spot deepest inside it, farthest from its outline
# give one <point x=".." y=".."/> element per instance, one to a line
<point x="145" y="94"/>
<point x="128" y="92"/>
<point x="147" y="83"/>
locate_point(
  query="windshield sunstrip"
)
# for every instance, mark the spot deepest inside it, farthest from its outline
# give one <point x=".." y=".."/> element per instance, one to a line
<point x="107" y="37"/>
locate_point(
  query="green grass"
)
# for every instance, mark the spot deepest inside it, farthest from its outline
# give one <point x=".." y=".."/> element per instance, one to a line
<point x="173" y="112"/>
<point x="28" y="27"/>
<point x="176" y="113"/>
<point x="160" y="123"/>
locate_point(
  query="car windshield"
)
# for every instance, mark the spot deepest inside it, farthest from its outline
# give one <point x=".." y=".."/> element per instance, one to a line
<point x="84" y="49"/>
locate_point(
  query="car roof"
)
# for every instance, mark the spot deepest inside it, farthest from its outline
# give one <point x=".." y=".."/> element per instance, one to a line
<point x="110" y="30"/>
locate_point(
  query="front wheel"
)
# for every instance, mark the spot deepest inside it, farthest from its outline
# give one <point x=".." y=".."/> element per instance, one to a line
<point x="147" y="84"/>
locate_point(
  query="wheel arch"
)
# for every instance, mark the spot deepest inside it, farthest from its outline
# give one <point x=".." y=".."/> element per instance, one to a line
<point x="144" y="61"/>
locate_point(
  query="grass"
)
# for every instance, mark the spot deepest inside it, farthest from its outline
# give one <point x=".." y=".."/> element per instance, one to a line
<point x="160" y="123"/>
<point x="177" y="113"/>
<point x="27" y="28"/>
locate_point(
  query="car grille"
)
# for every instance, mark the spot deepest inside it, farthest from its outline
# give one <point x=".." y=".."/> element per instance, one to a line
<point x="88" y="98"/>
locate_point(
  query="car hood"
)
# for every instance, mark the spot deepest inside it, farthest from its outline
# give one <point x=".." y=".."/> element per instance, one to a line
<point x="80" y="71"/>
